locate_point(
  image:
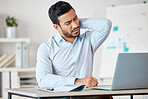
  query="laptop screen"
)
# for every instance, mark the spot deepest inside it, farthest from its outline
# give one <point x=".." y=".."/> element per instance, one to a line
<point x="131" y="71"/>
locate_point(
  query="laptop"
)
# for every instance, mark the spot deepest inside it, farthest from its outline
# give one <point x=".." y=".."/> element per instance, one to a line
<point x="131" y="72"/>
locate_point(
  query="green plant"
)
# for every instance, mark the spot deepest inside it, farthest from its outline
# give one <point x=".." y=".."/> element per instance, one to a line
<point x="11" y="21"/>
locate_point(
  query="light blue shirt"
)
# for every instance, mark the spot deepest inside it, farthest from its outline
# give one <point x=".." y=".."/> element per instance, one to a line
<point x="60" y="62"/>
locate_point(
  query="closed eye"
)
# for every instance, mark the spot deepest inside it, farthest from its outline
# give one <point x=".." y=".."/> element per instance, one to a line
<point x="68" y="22"/>
<point x="75" y="18"/>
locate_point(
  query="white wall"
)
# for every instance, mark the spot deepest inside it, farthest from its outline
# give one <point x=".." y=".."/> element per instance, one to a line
<point x="34" y="22"/>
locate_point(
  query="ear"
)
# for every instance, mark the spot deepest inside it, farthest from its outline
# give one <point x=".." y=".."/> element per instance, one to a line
<point x="57" y="27"/>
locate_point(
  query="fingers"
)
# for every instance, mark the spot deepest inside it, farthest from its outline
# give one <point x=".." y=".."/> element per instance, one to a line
<point x="92" y="82"/>
<point x="94" y="79"/>
<point x="88" y="81"/>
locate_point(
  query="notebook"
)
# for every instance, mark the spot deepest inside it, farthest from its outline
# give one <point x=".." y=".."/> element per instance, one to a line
<point x="64" y="88"/>
<point x="131" y="72"/>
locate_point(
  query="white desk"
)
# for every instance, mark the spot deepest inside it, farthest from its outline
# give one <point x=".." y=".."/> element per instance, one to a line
<point x="37" y="94"/>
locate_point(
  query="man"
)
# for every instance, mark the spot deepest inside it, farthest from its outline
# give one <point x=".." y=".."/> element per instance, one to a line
<point x="67" y="58"/>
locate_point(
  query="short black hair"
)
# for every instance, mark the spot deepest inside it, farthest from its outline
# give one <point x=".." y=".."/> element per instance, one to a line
<point x="58" y="9"/>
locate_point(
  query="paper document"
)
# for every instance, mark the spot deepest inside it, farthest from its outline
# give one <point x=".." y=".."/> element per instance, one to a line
<point x="65" y="88"/>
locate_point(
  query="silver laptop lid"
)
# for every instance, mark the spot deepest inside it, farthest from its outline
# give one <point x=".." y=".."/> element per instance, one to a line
<point x="131" y="71"/>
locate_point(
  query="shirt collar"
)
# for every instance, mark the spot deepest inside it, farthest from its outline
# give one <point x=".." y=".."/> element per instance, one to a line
<point x="58" y="37"/>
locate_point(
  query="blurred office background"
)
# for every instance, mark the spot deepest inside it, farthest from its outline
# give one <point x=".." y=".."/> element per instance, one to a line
<point x="34" y="23"/>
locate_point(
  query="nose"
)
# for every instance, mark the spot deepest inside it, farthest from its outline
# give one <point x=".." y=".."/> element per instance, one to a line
<point x="74" y="24"/>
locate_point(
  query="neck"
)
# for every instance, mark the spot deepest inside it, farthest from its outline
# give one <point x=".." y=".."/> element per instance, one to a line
<point x="71" y="40"/>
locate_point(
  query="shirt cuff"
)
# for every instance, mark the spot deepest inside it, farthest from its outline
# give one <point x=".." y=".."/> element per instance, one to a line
<point x="70" y="80"/>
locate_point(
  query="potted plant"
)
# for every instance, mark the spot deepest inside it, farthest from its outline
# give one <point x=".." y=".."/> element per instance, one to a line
<point x="11" y="29"/>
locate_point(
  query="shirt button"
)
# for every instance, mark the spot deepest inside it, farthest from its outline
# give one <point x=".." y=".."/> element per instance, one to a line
<point x="74" y="63"/>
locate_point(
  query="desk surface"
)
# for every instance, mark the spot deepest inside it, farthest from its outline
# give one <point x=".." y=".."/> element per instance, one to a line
<point x="34" y="92"/>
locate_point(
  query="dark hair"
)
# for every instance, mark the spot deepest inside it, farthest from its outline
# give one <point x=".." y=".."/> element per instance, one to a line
<point x="57" y="10"/>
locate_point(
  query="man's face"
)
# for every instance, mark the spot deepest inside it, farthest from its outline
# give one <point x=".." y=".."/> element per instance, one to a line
<point x="69" y="24"/>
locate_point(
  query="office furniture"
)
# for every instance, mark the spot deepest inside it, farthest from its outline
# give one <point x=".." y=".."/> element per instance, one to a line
<point x="21" y="53"/>
<point x="17" y="78"/>
<point x="37" y="94"/>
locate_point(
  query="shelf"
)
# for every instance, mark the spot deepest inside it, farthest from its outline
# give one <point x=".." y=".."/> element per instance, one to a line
<point x="2" y="98"/>
<point x="14" y="40"/>
<point x="13" y="77"/>
<point x="17" y="69"/>
<point x="27" y="75"/>
<point x="28" y="86"/>
<point x="28" y="82"/>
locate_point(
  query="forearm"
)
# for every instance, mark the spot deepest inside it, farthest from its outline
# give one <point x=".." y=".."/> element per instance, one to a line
<point x="95" y="24"/>
<point x="46" y="78"/>
<point x="51" y="80"/>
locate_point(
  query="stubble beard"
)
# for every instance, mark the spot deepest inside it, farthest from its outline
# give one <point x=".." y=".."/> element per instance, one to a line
<point x="69" y="35"/>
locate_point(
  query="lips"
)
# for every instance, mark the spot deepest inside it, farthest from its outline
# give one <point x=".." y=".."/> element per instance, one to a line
<point x="75" y="31"/>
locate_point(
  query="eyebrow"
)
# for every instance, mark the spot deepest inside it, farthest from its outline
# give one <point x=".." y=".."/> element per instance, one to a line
<point x="70" y="20"/>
